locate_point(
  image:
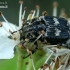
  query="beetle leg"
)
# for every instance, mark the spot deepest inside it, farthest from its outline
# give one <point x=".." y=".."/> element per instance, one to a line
<point x="36" y="47"/>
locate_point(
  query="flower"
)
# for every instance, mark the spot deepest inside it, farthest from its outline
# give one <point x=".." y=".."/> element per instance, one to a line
<point x="10" y="37"/>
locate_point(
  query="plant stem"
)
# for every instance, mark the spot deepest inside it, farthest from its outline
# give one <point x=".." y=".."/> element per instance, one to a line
<point x="19" y="60"/>
<point x="19" y="63"/>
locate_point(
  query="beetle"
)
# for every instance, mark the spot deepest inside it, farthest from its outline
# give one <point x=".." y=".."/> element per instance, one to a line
<point x="47" y="29"/>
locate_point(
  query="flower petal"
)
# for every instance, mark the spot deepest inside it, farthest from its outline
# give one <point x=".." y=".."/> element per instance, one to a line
<point x="7" y="47"/>
<point x="4" y="31"/>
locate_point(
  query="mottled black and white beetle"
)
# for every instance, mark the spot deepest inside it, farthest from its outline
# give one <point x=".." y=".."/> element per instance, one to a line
<point x="49" y="29"/>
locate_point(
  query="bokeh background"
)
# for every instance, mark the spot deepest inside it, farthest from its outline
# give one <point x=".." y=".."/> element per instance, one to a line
<point x="12" y="13"/>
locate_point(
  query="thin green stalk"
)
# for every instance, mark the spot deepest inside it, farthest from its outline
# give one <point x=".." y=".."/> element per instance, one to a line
<point x="19" y="63"/>
<point x="19" y="60"/>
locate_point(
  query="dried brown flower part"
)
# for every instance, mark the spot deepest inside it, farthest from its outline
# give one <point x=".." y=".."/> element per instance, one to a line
<point x="50" y="67"/>
<point x="54" y="50"/>
<point x="69" y="61"/>
<point x="21" y="2"/>
<point x="10" y="31"/>
<point x="57" y="63"/>
<point x="23" y="20"/>
<point x="44" y="13"/>
<point x="53" y="60"/>
<point x="59" y="56"/>
<point x="25" y="8"/>
<point x="45" y="66"/>
<point x="58" y="46"/>
<point x="1" y="24"/>
<point x="55" y="3"/>
<point x="32" y="11"/>
<point x="41" y="67"/>
<point x="37" y="7"/>
<point x="62" y="63"/>
<point x="15" y="38"/>
<point x="42" y="32"/>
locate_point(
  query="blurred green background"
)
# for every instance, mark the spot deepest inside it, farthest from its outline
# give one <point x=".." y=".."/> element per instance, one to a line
<point x="12" y="13"/>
